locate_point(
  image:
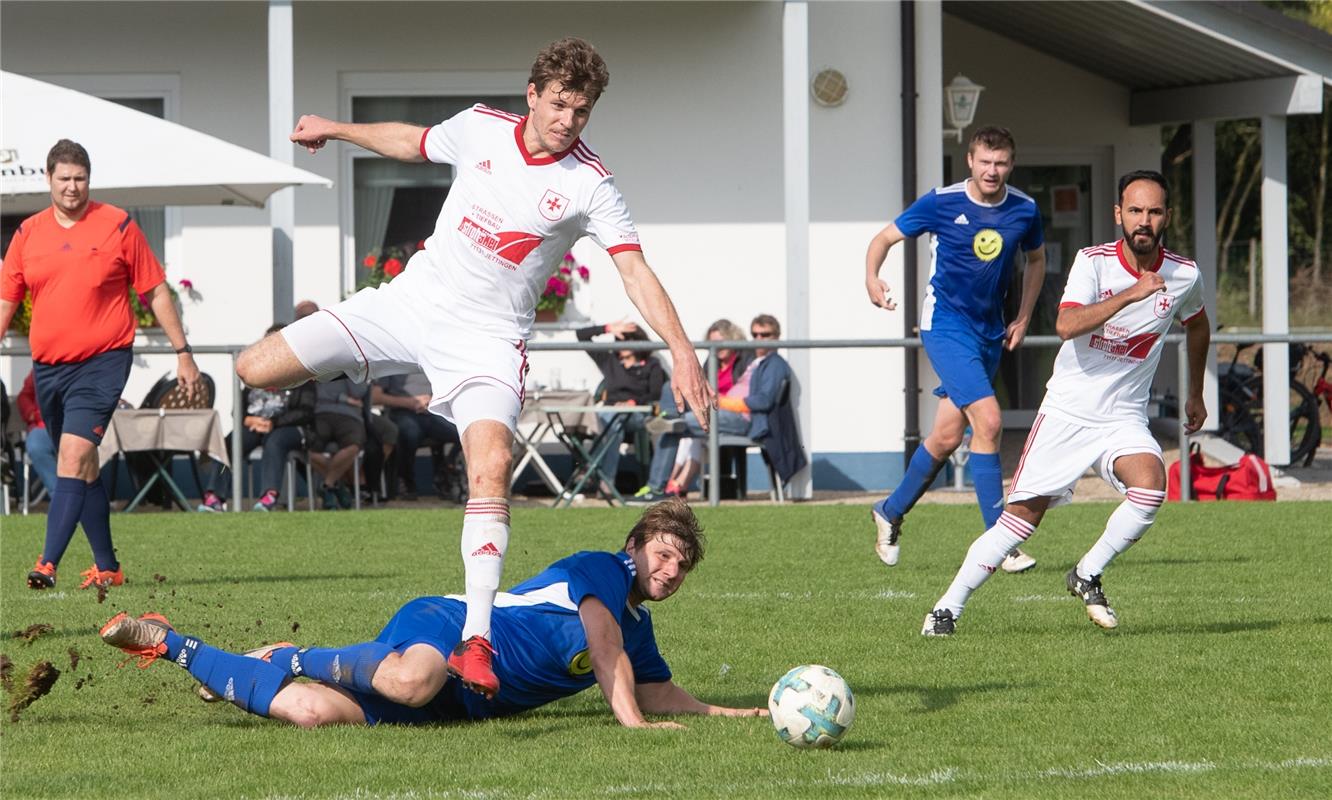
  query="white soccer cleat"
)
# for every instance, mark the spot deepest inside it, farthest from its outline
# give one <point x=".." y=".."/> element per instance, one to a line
<point x="1017" y="561"/>
<point x="886" y="543"/>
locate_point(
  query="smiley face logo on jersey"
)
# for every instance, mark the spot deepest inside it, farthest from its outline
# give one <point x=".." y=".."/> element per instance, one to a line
<point x="987" y="244"/>
<point x="581" y="664"/>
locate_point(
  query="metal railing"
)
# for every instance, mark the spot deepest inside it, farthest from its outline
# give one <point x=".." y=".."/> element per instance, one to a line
<point x="714" y="447"/>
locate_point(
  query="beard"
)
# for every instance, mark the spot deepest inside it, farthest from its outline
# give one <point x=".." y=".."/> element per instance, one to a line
<point x="1135" y="244"/>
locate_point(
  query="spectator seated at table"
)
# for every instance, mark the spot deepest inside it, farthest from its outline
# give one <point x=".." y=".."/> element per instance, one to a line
<point x="406" y="399"/>
<point x="274" y="419"/>
<point x="731" y="364"/>
<point x="629" y="378"/>
<point x="753" y="407"/>
<point x="41" y="450"/>
<point x="339" y="427"/>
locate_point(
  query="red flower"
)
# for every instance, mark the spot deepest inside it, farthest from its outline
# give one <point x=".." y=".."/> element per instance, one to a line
<point x="565" y="271"/>
<point x="370" y="261"/>
<point x="584" y="272"/>
<point x="392" y="267"/>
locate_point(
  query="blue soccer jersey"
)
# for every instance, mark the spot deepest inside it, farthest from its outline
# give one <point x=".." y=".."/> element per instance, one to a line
<point x="972" y="253"/>
<point x="541" y="648"/>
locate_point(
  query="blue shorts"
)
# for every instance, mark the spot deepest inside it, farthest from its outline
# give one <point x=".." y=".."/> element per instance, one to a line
<point x="434" y="621"/>
<point x="964" y="362"/>
<point x="80" y="397"/>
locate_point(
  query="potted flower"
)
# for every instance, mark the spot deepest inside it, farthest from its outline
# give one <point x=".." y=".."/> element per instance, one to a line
<point x="383" y="265"/>
<point x="560" y="288"/>
<point x="143" y="312"/>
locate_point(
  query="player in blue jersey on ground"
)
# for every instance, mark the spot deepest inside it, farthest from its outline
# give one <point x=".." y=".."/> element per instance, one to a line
<point x="580" y="622"/>
<point x="979" y="225"/>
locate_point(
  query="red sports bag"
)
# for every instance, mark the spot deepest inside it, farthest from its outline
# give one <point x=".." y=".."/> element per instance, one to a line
<point x="1250" y="479"/>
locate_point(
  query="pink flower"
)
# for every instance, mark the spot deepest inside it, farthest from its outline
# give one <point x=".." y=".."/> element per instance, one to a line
<point x="392" y="267"/>
<point x="568" y="257"/>
<point x="561" y="289"/>
<point x="583" y="272"/>
<point x="553" y="286"/>
<point x="370" y="261"/>
<point x="186" y="284"/>
<point x="565" y="271"/>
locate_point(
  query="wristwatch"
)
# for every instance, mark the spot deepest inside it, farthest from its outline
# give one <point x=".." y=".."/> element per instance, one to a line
<point x="185" y="349"/>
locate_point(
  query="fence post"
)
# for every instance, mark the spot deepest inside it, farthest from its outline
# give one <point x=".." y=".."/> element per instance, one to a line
<point x="1185" y="473"/>
<point x="237" y="424"/>
<point x="714" y="440"/>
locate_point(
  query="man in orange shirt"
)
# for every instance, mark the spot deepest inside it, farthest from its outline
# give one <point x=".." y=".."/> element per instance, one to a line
<point x="80" y="260"/>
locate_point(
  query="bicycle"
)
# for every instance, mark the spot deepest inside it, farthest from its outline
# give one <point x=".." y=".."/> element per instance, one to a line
<point x="1241" y="396"/>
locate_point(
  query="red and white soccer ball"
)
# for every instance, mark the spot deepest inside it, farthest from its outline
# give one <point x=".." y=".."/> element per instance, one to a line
<point x="811" y="706"/>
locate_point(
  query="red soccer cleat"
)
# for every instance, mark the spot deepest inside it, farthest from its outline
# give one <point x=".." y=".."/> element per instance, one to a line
<point x="470" y="663"/>
<point x="92" y="576"/>
<point x="143" y="638"/>
<point x="43" y="576"/>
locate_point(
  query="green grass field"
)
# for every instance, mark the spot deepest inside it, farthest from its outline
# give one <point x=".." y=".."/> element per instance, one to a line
<point x="1218" y="682"/>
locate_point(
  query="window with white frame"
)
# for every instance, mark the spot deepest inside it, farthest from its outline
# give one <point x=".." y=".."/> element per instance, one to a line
<point x="395" y="204"/>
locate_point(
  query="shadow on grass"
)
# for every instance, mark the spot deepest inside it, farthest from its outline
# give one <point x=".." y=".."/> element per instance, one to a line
<point x="1205" y="628"/>
<point x="938" y="698"/>
<point x="239" y="579"/>
<point x="1174" y="562"/>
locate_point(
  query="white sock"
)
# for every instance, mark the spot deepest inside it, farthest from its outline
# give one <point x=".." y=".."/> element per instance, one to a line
<point x="485" y="540"/>
<point x="983" y="558"/>
<point x="1126" y="525"/>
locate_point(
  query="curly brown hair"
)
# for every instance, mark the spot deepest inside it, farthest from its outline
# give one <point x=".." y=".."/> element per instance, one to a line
<point x="994" y="138"/>
<point x="574" y="64"/>
<point x="675" y="520"/>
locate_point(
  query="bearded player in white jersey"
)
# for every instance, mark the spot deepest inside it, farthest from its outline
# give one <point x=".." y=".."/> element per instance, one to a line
<point x="1120" y="299"/>
<point x="526" y="188"/>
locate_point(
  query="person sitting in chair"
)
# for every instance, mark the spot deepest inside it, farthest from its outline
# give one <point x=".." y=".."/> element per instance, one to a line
<point x="745" y="410"/>
<point x="629" y="378"/>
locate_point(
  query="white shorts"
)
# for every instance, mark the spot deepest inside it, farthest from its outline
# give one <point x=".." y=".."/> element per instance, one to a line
<point x="390" y="331"/>
<point x="1058" y="452"/>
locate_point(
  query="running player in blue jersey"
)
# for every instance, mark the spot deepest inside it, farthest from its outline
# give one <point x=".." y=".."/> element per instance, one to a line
<point x="580" y="622"/>
<point x="978" y="225"/>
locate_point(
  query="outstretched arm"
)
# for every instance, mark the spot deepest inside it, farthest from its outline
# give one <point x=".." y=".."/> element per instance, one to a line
<point x="615" y="675"/>
<point x="651" y="300"/>
<point x="667" y="698"/>
<point x="396" y="140"/>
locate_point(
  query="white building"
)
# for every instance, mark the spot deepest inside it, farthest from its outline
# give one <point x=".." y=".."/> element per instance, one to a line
<point x="750" y="196"/>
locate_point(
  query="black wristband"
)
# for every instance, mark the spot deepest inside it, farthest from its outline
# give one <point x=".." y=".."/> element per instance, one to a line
<point x="185" y="349"/>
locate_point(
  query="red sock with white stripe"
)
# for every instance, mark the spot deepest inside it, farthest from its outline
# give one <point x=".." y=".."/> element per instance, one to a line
<point x="983" y="558"/>
<point x="485" y="540"/>
<point x="1126" y="525"/>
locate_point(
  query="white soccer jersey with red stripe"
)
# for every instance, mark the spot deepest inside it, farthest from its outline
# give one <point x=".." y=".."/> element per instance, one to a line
<point x="509" y="219"/>
<point x="1104" y="377"/>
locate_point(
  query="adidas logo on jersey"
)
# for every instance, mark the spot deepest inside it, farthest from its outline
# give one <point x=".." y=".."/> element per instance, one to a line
<point x="484" y="166"/>
<point x="961" y="220"/>
<point x="487" y="549"/>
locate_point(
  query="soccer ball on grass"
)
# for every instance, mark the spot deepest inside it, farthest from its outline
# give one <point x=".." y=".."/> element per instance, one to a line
<point x="811" y="706"/>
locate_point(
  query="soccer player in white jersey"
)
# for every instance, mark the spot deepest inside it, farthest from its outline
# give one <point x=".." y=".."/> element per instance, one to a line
<point x="526" y="189"/>
<point x="1120" y="299"/>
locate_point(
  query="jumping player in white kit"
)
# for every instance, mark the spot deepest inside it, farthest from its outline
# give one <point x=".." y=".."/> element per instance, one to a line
<point x="526" y="189"/>
<point x="1120" y="299"/>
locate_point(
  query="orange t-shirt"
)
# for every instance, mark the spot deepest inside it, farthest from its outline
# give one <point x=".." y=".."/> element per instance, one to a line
<point x="79" y="278"/>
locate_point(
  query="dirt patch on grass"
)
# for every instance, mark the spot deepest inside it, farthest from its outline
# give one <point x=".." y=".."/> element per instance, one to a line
<point x="37" y="685"/>
<point x="33" y="632"/>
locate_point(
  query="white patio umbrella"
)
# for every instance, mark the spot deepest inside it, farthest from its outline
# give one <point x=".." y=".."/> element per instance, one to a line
<point x="137" y="159"/>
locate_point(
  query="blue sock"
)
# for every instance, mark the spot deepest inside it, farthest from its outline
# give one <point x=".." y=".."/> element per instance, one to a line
<point x="63" y="517"/>
<point x="352" y="667"/>
<point x="249" y="683"/>
<point x="920" y="473"/>
<point x="96" y="521"/>
<point x="988" y="476"/>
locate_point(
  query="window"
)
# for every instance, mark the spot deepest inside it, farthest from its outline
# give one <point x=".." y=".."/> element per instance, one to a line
<point x="395" y="204"/>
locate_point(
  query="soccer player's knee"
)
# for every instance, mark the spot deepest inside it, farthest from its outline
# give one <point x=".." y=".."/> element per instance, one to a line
<point x="302" y="709"/>
<point x="404" y="684"/>
<point x="249" y="368"/>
